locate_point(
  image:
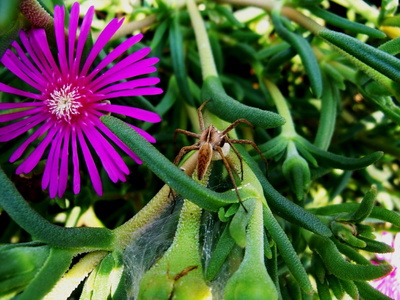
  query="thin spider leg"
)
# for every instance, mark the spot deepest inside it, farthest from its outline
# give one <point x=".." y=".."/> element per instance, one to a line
<point x="183" y="151"/>
<point x="201" y="121"/>
<point x="185" y="132"/>
<point x="254" y="146"/>
<point x="218" y="148"/>
<point x="234" y="124"/>
<point x="228" y="140"/>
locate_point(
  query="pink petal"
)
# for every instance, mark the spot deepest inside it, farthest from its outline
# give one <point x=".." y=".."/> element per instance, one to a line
<point x="39" y="51"/>
<point x="114" y="54"/>
<point x="143" y="133"/>
<point x="59" y="15"/>
<point x="11" y="131"/>
<point x="11" y="61"/>
<point x="41" y="39"/>
<point x="102" y="154"/>
<point x="39" y="76"/>
<point x="19" y="114"/>
<point x="93" y="172"/>
<point x="116" y="140"/>
<point x="130" y="84"/>
<point x="54" y="177"/>
<point x="112" y="153"/>
<point x="75" y="162"/>
<point x="19" y="105"/>
<point x="132" y="112"/>
<point x="17" y="153"/>
<point x="11" y="90"/>
<point x="101" y="41"/>
<point x="32" y="53"/>
<point x="47" y="174"/>
<point x="32" y="160"/>
<point x="62" y="186"/>
<point x="135" y="92"/>
<point x="73" y="26"/>
<point x="134" y="57"/>
<point x="85" y="28"/>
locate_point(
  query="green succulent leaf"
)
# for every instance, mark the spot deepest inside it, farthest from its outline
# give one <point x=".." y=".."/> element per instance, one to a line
<point x="367" y="292"/>
<point x="378" y="212"/>
<point x="350" y="287"/>
<point x="341" y="268"/>
<point x="377" y="59"/>
<point x="375" y="246"/>
<point x="331" y="160"/>
<point x="230" y="109"/>
<point x="238" y="225"/>
<point x="55" y="266"/>
<point x="243" y="284"/>
<point x="305" y="51"/>
<point x="19" y="265"/>
<point x="344" y="23"/>
<point x="219" y="255"/>
<point x="284" y="207"/>
<point x="21" y="212"/>
<point x="286" y="250"/>
<point x="365" y="208"/>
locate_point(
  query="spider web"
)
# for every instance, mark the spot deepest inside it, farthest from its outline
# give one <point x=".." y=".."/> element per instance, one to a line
<point x="149" y="244"/>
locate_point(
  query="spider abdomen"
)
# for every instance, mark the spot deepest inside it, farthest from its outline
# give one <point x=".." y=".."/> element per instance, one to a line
<point x="204" y="159"/>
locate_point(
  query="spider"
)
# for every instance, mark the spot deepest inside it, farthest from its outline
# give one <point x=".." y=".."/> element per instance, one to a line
<point x="211" y="140"/>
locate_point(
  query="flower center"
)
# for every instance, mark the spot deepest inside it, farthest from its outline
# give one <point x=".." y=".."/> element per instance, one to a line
<point x="65" y="103"/>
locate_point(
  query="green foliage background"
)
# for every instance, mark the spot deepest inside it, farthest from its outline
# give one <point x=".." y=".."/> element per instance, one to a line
<point x="319" y="80"/>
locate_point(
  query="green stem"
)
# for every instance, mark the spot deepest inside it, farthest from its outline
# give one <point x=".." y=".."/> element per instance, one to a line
<point x="206" y="57"/>
<point x="288" y="129"/>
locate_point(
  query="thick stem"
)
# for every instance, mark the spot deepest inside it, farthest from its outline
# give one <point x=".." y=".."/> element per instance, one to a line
<point x="206" y="57"/>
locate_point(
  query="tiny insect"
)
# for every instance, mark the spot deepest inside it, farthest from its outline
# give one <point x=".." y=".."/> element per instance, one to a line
<point x="210" y="140"/>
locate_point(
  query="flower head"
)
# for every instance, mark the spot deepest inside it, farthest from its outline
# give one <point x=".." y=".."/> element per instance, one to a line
<point x="390" y="284"/>
<point x="73" y="93"/>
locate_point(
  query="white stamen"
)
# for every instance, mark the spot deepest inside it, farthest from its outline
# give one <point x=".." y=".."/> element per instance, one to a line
<point x="64" y="103"/>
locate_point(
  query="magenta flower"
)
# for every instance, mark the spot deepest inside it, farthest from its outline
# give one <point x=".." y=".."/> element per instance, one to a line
<point x="390" y="284"/>
<point x="73" y="95"/>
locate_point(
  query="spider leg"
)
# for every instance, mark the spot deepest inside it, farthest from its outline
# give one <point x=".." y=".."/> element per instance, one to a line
<point x="228" y="140"/>
<point x="183" y="151"/>
<point x="236" y="123"/>
<point x="218" y="148"/>
<point x="254" y="146"/>
<point x="185" y="132"/>
<point x="201" y="121"/>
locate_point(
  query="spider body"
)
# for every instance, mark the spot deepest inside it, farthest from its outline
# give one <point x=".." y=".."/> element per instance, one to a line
<point x="212" y="142"/>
